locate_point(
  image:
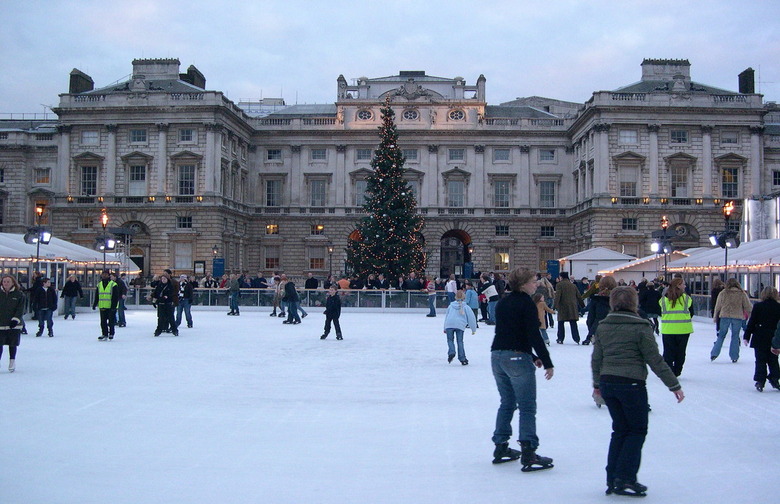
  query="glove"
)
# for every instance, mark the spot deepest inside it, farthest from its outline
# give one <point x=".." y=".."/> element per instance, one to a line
<point x="13" y="323"/>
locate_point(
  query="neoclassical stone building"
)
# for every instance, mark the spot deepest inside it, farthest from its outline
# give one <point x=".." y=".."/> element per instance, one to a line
<point x="197" y="176"/>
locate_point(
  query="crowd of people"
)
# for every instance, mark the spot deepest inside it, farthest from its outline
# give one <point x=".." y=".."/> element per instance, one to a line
<point x="623" y="321"/>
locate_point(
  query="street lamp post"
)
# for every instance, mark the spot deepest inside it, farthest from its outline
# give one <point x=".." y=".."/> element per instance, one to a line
<point x="104" y="222"/>
<point x="330" y="260"/>
<point x="38" y="234"/>
<point x="662" y="243"/>
<point x="728" y="207"/>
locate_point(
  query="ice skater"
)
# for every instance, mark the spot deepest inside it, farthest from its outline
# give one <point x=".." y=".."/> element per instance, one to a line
<point x="107" y="299"/>
<point x="46" y="301"/>
<point x="11" y="311"/>
<point x="332" y="312"/>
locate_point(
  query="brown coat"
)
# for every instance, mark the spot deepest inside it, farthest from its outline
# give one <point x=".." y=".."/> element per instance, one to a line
<point x="567" y="301"/>
<point x="733" y="303"/>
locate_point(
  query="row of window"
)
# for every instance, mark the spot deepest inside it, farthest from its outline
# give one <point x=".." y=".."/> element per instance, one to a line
<point x="410" y="115"/>
<point x="139" y="136"/>
<point x="676" y="137"/>
<point x="500" y="154"/>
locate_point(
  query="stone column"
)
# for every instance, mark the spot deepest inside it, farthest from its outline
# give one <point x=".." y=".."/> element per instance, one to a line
<point x="339" y="177"/>
<point x="481" y="183"/>
<point x="162" y="157"/>
<point x="756" y="186"/>
<point x="524" y="177"/>
<point x="296" y="186"/>
<point x="62" y="176"/>
<point x="652" y="159"/>
<point x="435" y="183"/>
<point x="111" y="160"/>
<point x="209" y="164"/>
<point x="706" y="161"/>
<point x="602" y="160"/>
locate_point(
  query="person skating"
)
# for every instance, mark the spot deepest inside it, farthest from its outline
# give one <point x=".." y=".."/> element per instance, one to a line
<point x="518" y="347"/>
<point x="598" y="307"/>
<point x="332" y="312"/>
<point x="542" y="311"/>
<point x="235" y="291"/>
<point x="46" y="301"/>
<point x="164" y="296"/>
<point x="11" y="312"/>
<point x="70" y="291"/>
<point x="185" y="301"/>
<point x="731" y="310"/>
<point x="623" y="349"/>
<point x="121" y="282"/>
<point x="759" y="332"/>
<point x="676" y="324"/>
<point x="107" y="299"/>
<point x="568" y="303"/>
<point x="649" y="298"/>
<point x="291" y="299"/>
<point x="457" y="317"/>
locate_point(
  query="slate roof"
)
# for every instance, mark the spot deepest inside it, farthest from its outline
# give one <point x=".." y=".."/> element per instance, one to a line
<point x="510" y="112"/>
<point x="308" y="110"/>
<point x="772" y="129"/>
<point x="650" y="86"/>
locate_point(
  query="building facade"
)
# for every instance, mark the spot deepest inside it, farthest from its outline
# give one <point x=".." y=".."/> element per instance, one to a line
<point x="197" y="177"/>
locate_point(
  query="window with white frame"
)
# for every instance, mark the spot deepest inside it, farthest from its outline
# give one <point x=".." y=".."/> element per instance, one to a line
<point x="547" y="232"/>
<point x="363" y="154"/>
<point x="456" y="193"/>
<point x="138" y="135"/>
<point x="186" y="135"/>
<point x="317" y="258"/>
<point x="679" y="181"/>
<point x="137" y="180"/>
<point x="272" y="255"/>
<point x="42" y="176"/>
<point x="182" y="255"/>
<point x="501" y="193"/>
<point x="546" y="155"/>
<point x="88" y="182"/>
<point x="501" y="259"/>
<point x="456" y="154"/>
<point x="318" y="192"/>
<point x="410" y="154"/>
<point x="678" y="136"/>
<point x="730" y="182"/>
<point x="319" y="155"/>
<point x="776" y="177"/>
<point x="183" y="222"/>
<point x="186" y="179"/>
<point x="500" y="155"/>
<point x="502" y="230"/>
<point x="273" y="155"/>
<point x="359" y="196"/>
<point x="547" y="193"/>
<point x="627" y="179"/>
<point x="627" y="137"/>
<point x="273" y="192"/>
<point x="90" y="137"/>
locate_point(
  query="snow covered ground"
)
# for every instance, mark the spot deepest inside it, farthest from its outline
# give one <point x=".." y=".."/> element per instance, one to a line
<point x="247" y="410"/>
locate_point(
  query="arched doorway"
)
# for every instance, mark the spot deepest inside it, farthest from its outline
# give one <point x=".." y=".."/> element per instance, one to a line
<point x="455" y="254"/>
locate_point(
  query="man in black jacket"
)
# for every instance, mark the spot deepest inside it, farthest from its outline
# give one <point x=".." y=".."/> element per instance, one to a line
<point x="311" y="282"/>
<point x="518" y="347"/>
<point x="107" y="299"/>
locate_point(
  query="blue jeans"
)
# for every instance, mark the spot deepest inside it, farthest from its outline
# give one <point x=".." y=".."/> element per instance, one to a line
<point x="70" y="305"/>
<point x="544" y="336"/>
<point x="492" y="311"/>
<point x="451" y="335"/>
<point x="725" y="323"/>
<point x="515" y="376"/>
<point x="627" y="403"/>
<point x="44" y="316"/>
<point x="234" y="301"/>
<point x="432" y="305"/>
<point x="450" y="296"/>
<point x="185" y="305"/>
<point x="292" y="311"/>
<point x="120" y="312"/>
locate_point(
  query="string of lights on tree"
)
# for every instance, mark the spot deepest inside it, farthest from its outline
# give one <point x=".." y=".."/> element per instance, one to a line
<point x="391" y="240"/>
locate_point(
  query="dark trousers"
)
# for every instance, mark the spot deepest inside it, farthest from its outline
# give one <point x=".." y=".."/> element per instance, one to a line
<point x="483" y="309"/>
<point x="575" y="333"/>
<point x="766" y="359"/>
<point x="627" y="403"/>
<point x="674" y="351"/>
<point x="45" y="317"/>
<point x="292" y="311"/>
<point x="107" y="321"/>
<point x="165" y="319"/>
<point x="336" y="325"/>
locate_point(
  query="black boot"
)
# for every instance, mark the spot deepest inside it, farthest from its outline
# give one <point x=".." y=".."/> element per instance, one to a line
<point x="338" y="337"/>
<point x="531" y="460"/>
<point x="503" y="453"/>
<point x="323" y="336"/>
<point x="633" y="489"/>
<point x="586" y="341"/>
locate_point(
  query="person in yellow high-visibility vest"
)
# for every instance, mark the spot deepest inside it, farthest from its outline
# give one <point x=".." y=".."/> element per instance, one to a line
<point x="107" y="296"/>
<point x="676" y="324"/>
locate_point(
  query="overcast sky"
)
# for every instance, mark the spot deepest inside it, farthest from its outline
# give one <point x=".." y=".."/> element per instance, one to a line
<point x="296" y="49"/>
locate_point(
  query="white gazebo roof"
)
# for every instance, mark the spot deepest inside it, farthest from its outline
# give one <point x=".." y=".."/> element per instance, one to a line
<point x="13" y="247"/>
<point x="641" y="263"/>
<point x="597" y="254"/>
<point x="753" y="254"/>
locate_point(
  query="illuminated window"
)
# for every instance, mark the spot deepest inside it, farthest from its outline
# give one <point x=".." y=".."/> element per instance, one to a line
<point x="42" y="176"/>
<point x="317" y="258"/>
<point x="317" y="229"/>
<point x="272" y="261"/>
<point x="272" y="229"/>
<point x="501" y="259"/>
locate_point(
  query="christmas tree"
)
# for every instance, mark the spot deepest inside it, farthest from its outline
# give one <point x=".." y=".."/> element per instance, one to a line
<point x="390" y="241"/>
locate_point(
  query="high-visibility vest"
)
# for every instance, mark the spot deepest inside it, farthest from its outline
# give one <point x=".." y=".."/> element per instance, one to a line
<point x="676" y="319"/>
<point x="104" y="294"/>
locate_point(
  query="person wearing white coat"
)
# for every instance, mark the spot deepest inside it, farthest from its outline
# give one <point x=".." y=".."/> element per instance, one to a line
<point x="458" y="317"/>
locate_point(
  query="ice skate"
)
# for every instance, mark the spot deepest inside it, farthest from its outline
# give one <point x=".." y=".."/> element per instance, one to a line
<point x="634" y="489"/>
<point x="102" y="338"/>
<point x="12" y="365"/>
<point x="586" y="341"/>
<point x="532" y="461"/>
<point x="338" y="337"/>
<point x="775" y="383"/>
<point x="38" y="334"/>
<point x="759" y="386"/>
<point x="503" y="453"/>
<point x="323" y="336"/>
<point x="51" y="333"/>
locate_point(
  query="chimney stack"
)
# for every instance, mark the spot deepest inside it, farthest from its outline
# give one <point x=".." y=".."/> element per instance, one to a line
<point x="747" y="81"/>
<point x="80" y="82"/>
